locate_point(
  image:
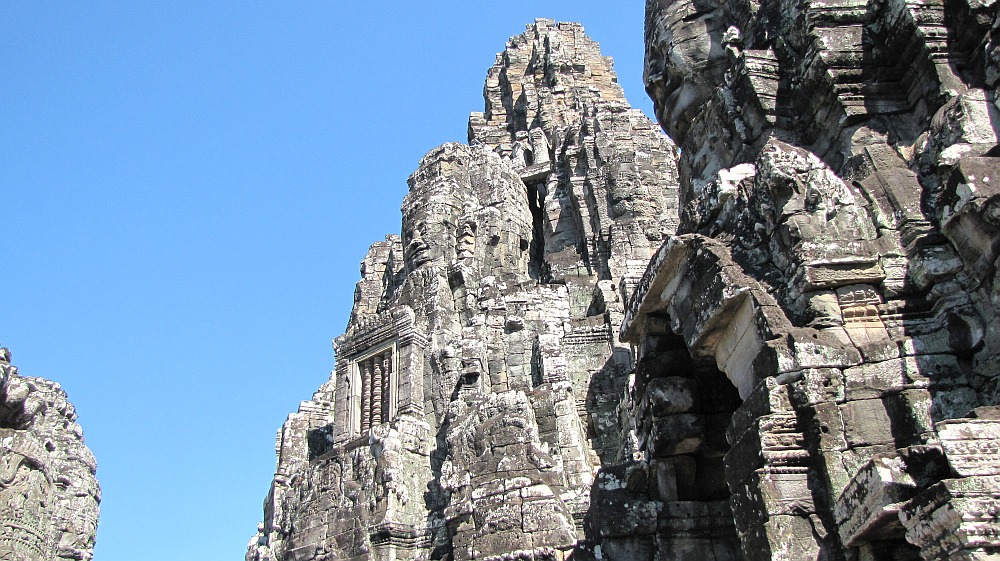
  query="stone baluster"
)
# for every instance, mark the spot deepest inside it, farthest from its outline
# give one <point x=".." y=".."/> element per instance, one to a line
<point x="366" y="402"/>
<point x="386" y="375"/>
<point x="377" y="383"/>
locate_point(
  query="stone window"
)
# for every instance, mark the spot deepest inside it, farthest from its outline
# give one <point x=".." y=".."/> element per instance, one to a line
<point x="373" y="387"/>
<point x="379" y="375"/>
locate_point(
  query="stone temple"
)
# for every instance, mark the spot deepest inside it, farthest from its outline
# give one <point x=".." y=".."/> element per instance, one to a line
<point x="769" y="334"/>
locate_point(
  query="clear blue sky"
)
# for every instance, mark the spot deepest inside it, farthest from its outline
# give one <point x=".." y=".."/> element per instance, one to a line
<point x="187" y="191"/>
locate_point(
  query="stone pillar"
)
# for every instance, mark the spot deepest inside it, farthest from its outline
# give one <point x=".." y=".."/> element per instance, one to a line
<point x="344" y="403"/>
<point x="407" y="391"/>
<point x="366" y="401"/>
<point x="409" y="379"/>
<point x="354" y="405"/>
<point x="377" y="382"/>
<point x="767" y="469"/>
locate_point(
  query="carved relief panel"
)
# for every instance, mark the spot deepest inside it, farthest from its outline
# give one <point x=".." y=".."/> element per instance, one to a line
<point x="25" y="489"/>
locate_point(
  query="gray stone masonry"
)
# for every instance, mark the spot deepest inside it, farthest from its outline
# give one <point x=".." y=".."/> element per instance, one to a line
<point x="479" y="387"/>
<point x="771" y="336"/>
<point x="48" y="489"/>
<point x="835" y="259"/>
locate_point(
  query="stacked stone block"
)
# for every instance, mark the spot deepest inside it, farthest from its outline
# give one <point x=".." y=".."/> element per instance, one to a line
<point x="824" y="150"/>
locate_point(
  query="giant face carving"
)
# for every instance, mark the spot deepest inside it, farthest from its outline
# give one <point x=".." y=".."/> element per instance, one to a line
<point x="466" y="203"/>
<point x="416" y="251"/>
<point x="685" y="59"/>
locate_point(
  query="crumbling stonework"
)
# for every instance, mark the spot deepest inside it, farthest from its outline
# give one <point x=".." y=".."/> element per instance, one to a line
<point x="835" y="261"/>
<point x="48" y="490"/>
<point x="776" y="339"/>
<point x="478" y="385"/>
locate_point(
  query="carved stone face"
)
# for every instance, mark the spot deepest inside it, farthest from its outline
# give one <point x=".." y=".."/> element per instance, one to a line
<point x="426" y="237"/>
<point x="466" y="246"/>
<point x="416" y="251"/>
<point x="685" y="59"/>
<point x="465" y="202"/>
<point x="432" y="208"/>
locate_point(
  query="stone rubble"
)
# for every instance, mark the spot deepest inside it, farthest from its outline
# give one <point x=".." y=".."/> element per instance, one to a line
<point x="771" y="336"/>
<point x="49" y="493"/>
